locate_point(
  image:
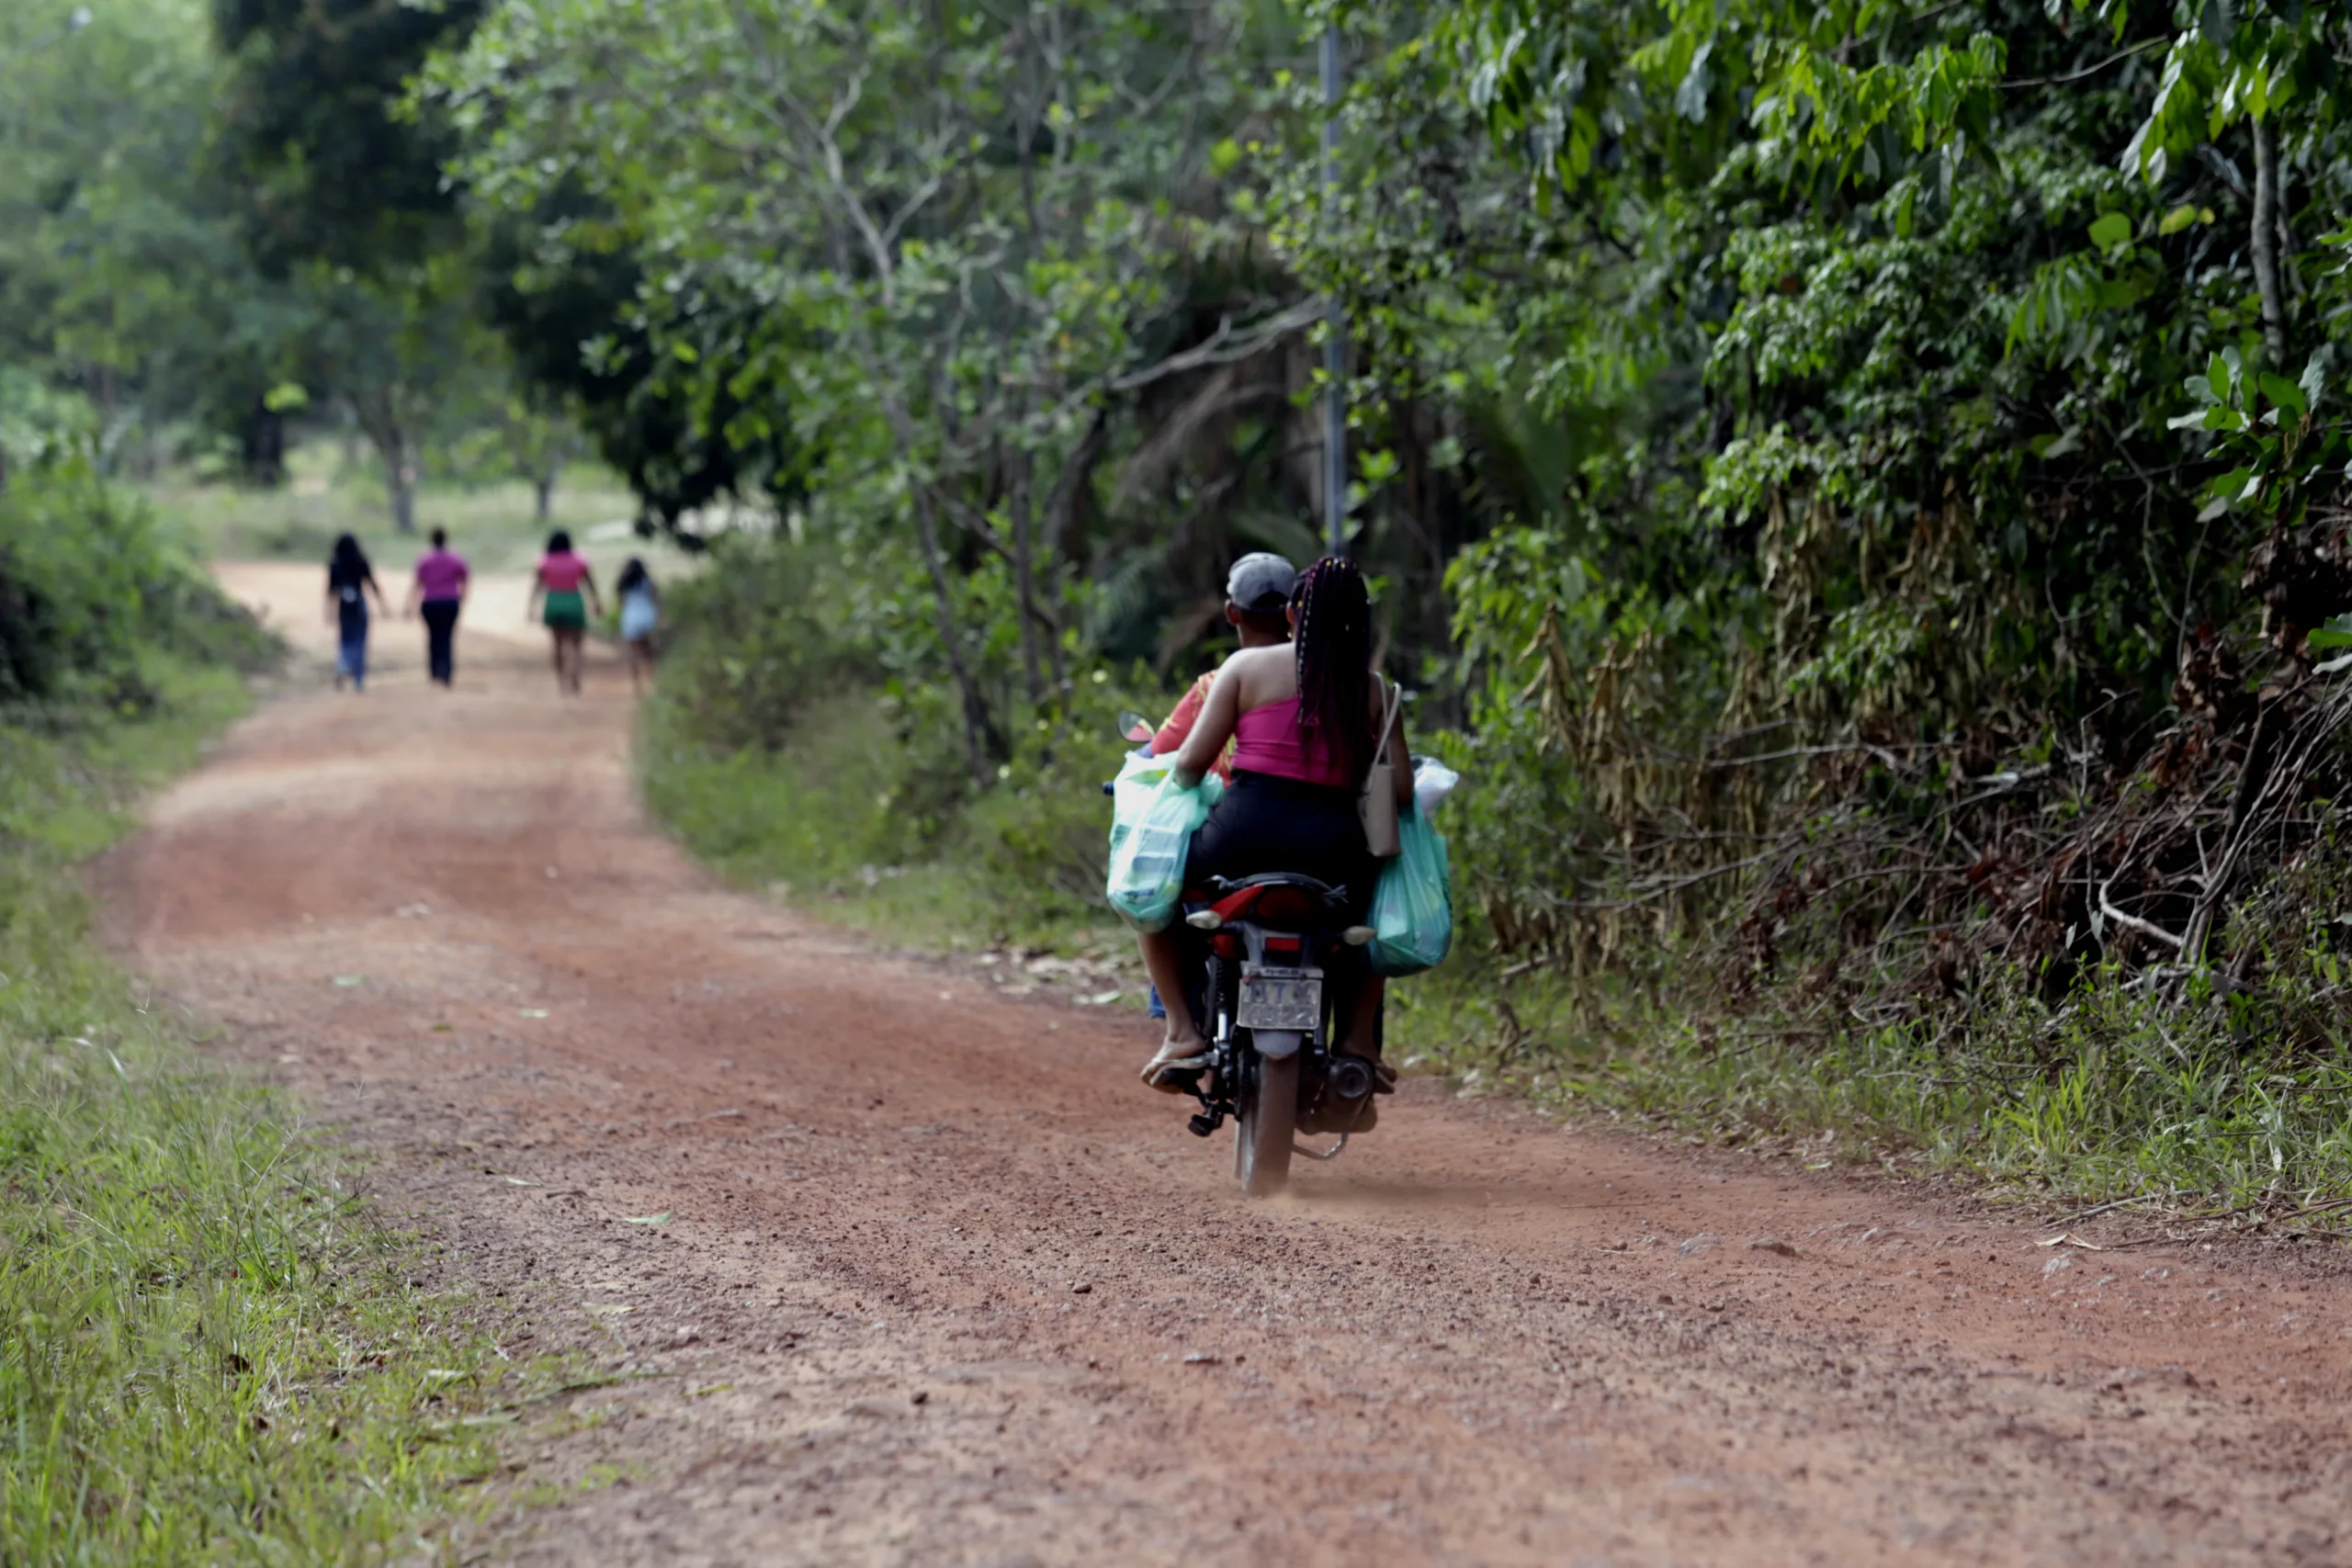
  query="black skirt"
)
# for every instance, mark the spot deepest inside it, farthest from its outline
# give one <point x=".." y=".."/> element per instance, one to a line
<point x="1264" y="823"/>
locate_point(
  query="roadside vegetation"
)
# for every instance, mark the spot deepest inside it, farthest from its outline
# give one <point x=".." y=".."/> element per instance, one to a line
<point x="780" y="753"/>
<point x="1860" y="489"/>
<point x="212" y="1349"/>
<point x="783" y="750"/>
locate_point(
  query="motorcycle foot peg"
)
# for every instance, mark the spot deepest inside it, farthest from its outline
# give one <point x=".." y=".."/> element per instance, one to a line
<point x="1204" y="1124"/>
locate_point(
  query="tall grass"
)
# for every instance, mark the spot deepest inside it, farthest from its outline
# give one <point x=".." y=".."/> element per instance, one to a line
<point x="211" y="1350"/>
<point x="794" y="744"/>
<point x="840" y="818"/>
<point x="2207" y="1099"/>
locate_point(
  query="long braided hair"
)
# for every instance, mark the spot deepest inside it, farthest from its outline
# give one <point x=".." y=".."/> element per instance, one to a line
<point x="1334" y="653"/>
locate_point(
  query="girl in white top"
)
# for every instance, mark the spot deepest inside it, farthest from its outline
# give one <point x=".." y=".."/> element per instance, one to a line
<point x="640" y="613"/>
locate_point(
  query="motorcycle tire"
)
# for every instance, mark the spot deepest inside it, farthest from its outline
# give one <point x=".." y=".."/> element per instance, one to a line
<point x="1268" y="1114"/>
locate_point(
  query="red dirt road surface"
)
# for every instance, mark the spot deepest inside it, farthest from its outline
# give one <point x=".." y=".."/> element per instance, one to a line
<point x="941" y="1283"/>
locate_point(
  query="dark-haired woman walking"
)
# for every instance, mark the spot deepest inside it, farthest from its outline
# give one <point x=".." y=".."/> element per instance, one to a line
<point x="563" y="590"/>
<point x="1307" y="721"/>
<point x="349" y="581"/>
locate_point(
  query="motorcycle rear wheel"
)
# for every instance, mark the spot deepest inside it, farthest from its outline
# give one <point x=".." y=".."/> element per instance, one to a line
<point x="1268" y="1115"/>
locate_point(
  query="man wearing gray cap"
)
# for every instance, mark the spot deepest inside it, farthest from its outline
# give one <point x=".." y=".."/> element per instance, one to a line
<point x="1256" y="594"/>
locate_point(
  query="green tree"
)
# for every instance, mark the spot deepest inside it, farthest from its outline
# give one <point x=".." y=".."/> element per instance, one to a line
<point x="120" y="272"/>
<point x="966" y="233"/>
<point x="347" y="201"/>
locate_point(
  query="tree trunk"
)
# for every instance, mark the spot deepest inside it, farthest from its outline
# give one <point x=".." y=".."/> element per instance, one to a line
<point x="399" y="478"/>
<point x="1077" y="473"/>
<point x="1024" y="576"/>
<point x="544" y="487"/>
<point x="977" y="728"/>
<point x="950" y="641"/>
<point x="265" y="446"/>
<point x="378" y="414"/>
<point x="109" y="430"/>
<point x="2265" y="247"/>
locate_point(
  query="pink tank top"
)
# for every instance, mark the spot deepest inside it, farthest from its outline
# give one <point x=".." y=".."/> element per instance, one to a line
<point x="1266" y="740"/>
<point x="562" y="573"/>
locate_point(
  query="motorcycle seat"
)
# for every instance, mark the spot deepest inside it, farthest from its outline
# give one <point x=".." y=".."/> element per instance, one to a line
<point x="1280" y="895"/>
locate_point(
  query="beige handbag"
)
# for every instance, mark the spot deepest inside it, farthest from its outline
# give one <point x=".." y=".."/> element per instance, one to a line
<point x="1378" y="804"/>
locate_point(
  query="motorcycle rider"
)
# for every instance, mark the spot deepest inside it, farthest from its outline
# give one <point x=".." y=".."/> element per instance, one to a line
<point x="1305" y="718"/>
<point x="1257" y="607"/>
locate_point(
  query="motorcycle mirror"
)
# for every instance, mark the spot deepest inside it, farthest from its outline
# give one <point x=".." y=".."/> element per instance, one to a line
<point x="1133" y="727"/>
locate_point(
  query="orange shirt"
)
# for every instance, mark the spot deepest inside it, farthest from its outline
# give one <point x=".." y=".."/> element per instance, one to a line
<point x="1173" y="733"/>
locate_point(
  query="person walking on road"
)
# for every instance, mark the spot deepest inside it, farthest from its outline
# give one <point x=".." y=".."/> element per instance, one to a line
<point x="349" y="581"/>
<point x="640" y="613"/>
<point x="439" y="591"/>
<point x="563" y="591"/>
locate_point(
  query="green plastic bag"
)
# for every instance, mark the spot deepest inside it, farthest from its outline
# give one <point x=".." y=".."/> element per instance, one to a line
<point x="1153" y="818"/>
<point x="1412" y="905"/>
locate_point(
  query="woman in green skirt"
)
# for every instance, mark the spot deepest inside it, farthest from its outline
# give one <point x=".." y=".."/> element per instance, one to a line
<point x="563" y="592"/>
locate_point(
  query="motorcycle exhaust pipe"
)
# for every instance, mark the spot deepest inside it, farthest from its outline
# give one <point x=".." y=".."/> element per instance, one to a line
<point x="1349" y="1077"/>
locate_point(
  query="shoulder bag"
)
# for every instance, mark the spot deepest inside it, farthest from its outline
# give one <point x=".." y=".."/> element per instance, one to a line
<point x="1376" y="804"/>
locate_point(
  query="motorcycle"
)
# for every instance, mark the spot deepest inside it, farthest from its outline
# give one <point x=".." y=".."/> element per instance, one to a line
<point x="1273" y="969"/>
<point x="1277" y="972"/>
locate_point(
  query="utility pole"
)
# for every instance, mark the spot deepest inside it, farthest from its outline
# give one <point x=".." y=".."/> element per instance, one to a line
<point x="1335" y="345"/>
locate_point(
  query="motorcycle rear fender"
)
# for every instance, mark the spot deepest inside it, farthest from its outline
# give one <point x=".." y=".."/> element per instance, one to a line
<point x="1276" y="1044"/>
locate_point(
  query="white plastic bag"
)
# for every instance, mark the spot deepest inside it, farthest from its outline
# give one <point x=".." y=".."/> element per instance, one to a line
<point x="1432" y="782"/>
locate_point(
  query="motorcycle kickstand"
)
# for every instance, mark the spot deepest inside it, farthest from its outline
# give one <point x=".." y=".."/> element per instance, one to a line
<point x="1334" y="1151"/>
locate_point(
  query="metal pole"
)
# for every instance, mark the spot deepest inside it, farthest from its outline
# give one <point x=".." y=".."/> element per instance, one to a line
<point x="1335" y="345"/>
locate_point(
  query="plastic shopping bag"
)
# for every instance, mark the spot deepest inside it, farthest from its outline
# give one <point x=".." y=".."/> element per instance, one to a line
<point x="1432" y="782"/>
<point x="1153" y="818"/>
<point x="1412" y="905"/>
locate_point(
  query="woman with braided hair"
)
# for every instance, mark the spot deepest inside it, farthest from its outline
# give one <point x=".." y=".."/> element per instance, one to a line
<point x="1305" y="717"/>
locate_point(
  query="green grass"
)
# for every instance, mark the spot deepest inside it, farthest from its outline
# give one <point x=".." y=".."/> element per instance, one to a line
<point x="213" y="1352"/>
<point x="2203" y="1103"/>
<point x="824" y="822"/>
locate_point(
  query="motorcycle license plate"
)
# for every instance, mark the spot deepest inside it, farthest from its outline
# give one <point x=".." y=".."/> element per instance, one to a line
<point x="1280" y="999"/>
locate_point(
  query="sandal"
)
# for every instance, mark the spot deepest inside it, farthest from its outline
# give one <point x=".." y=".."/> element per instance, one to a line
<point x="1160" y="1071"/>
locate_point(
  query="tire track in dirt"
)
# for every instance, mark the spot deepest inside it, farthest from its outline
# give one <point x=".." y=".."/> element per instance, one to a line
<point x="944" y="1285"/>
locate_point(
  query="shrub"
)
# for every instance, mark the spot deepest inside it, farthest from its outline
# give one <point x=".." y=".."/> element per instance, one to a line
<point x="91" y="590"/>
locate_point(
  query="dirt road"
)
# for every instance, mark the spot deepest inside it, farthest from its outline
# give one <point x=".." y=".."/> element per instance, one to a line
<point x="941" y="1284"/>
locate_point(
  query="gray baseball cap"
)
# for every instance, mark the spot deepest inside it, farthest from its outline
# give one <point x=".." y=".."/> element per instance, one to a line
<point x="1260" y="581"/>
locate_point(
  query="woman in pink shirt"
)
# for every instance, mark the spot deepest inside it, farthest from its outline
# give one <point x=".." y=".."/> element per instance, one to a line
<point x="440" y="590"/>
<point x="563" y="590"/>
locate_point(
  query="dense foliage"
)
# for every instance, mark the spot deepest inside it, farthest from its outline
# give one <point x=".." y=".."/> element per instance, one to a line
<point x="1880" y="458"/>
<point x="93" y="595"/>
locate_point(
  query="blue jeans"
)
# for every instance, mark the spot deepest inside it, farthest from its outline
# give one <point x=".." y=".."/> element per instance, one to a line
<point x="351" y="658"/>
